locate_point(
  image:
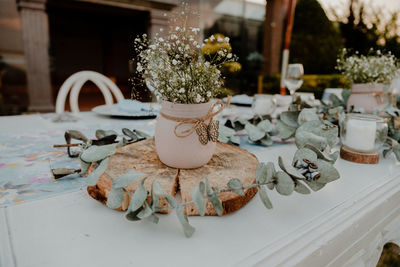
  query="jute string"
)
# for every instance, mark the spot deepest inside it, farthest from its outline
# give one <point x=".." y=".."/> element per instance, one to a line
<point x="197" y="121"/>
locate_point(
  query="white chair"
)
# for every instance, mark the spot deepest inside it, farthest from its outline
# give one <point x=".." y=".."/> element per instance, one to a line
<point x="75" y="83"/>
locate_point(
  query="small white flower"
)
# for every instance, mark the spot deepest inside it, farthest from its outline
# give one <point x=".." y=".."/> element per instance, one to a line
<point x="198" y="98"/>
<point x="219" y="39"/>
<point x="187" y="47"/>
<point x="182" y="90"/>
<point x="212" y="38"/>
<point x="226" y="39"/>
<point x="208" y="94"/>
<point x="229" y="55"/>
<point x="161" y="39"/>
<point x="174" y="62"/>
<point x="205" y="40"/>
<point x="197" y="46"/>
<point x="177" y="28"/>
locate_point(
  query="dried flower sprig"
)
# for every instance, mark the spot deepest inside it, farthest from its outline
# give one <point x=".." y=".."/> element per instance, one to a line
<point x="375" y="67"/>
<point x="175" y="66"/>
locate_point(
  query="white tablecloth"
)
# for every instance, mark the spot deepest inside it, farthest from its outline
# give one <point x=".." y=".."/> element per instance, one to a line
<point x="346" y="223"/>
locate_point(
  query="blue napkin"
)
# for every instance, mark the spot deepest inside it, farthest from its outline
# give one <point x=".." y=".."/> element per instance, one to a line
<point x="132" y="106"/>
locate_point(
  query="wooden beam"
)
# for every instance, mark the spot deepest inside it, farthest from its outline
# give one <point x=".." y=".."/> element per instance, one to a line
<point x="274" y="26"/>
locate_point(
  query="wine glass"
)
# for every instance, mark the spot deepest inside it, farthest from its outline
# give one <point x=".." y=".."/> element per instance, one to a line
<point x="294" y="77"/>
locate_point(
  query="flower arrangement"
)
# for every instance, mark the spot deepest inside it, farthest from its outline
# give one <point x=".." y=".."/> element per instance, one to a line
<point x="179" y="67"/>
<point x="375" y="67"/>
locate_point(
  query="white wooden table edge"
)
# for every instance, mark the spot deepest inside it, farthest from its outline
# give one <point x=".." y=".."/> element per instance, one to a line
<point x="308" y="249"/>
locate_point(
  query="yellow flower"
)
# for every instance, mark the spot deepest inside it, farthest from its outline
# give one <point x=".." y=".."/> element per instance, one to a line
<point x="215" y="43"/>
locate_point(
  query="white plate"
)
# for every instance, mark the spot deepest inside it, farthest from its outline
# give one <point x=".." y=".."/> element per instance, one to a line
<point x="113" y="111"/>
<point x="243" y="100"/>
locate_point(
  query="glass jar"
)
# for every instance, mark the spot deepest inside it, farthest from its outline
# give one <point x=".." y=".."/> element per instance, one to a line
<point x="363" y="133"/>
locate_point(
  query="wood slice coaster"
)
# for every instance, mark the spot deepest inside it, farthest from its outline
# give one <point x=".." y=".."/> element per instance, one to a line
<point x="228" y="162"/>
<point x="371" y="158"/>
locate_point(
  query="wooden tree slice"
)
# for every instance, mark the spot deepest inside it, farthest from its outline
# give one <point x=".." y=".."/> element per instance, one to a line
<point x="228" y="162"/>
<point x="346" y="154"/>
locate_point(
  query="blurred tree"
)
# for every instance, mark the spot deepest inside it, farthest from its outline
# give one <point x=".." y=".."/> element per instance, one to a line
<point x="365" y="28"/>
<point x="315" y="39"/>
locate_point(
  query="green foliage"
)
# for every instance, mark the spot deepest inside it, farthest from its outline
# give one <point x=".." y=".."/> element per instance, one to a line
<point x="310" y="164"/>
<point x="260" y="133"/>
<point x="365" y="28"/>
<point x="227" y="135"/>
<point x="315" y="40"/>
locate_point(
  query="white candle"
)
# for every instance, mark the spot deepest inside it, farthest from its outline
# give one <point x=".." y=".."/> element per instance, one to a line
<point x="360" y="135"/>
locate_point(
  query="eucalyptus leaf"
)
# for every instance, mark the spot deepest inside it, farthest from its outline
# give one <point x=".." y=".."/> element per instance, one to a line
<point x="236" y="185"/>
<point x="130" y="134"/>
<point x="62" y="172"/>
<point x="265" y="126"/>
<point x="84" y="167"/>
<point x="262" y="192"/>
<point x="199" y="201"/>
<point x="314" y="185"/>
<point x="97" y="153"/>
<point x="290" y="118"/>
<point x="132" y="215"/>
<point x="324" y="129"/>
<point x="301" y="188"/>
<point x="327" y="171"/>
<point x="138" y="198"/>
<point x="254" y="133"/>
<point x="303" y="138"/>
<point x="216" y="202"/>
<point x="146" y="212"/>
<point x="188" y="230"/>
<point x="265" y="174"/>
<point x="307" y="114"/>
<point x="115" y="198"/>
<point x="129" y="177"/>
<point x="102" y="133"/>
<point x="305" y="153"/>
<point x="141" y="134"/>
<point x="94" y="176"/>
<point x="284" y="131"/>
<point x="261" y="173"/>
<point x="106" y="140"/>
<point x="73" y="134"/>
<point x="284" y="184"/>
<point x="320" y="154"/>
<point x="289" y="169"/>
<point x="345" y="96"/>
<point x="266" y="141"/>
<point x="158" y="191"/>
<point x="122" y="142"/>
<point x="387" y="152"/>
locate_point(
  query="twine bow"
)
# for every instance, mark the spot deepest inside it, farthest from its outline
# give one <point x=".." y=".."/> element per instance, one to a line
<point x="206" y="132"/>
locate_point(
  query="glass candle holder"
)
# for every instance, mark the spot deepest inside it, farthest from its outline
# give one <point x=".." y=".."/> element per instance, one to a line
<point x="363" y="133"/>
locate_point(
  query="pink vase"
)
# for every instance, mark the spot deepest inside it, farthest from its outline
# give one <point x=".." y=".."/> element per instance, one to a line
<point x="181" y="152"/>
<point x="368" y="96"/>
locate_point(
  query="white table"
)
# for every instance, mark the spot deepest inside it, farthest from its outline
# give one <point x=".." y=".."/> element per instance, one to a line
<point x="345" y="224"/>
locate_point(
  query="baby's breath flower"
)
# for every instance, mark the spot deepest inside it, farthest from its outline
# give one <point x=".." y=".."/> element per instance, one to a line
<point x="175" y="65"/>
